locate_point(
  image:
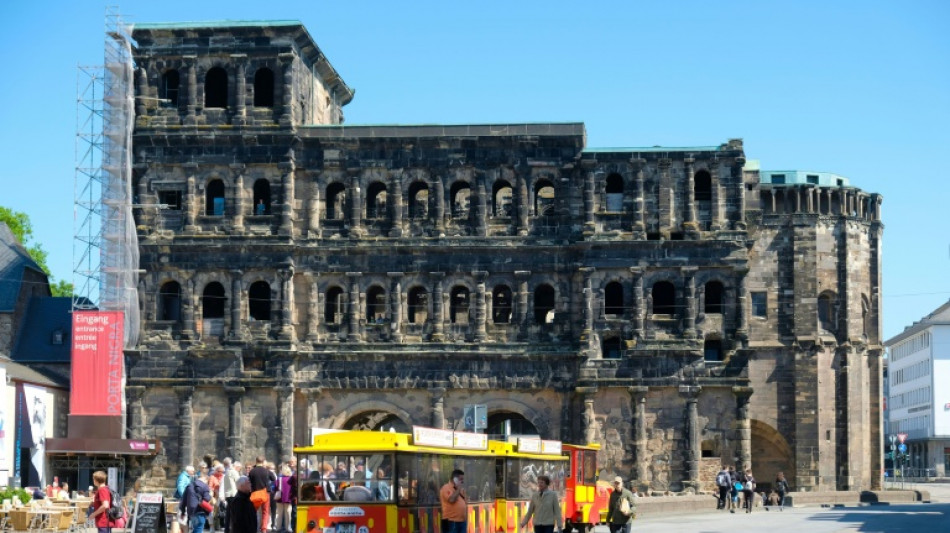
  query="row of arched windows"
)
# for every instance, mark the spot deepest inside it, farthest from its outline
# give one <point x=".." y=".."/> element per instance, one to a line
<point x="216" y="87"/>
<point x="614" y="190"/>
<point x="663" y="294"/>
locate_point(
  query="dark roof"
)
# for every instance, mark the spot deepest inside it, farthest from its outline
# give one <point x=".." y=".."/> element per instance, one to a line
<point x="14" y="259"/>
<point x="44" y="317"/>
<point x="18" y="372"/>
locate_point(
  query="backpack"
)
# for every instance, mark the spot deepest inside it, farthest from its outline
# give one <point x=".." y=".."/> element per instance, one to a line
<point x="722" y="479"/>
<point x="749" y="485"/>
<point x="116" y="508"/>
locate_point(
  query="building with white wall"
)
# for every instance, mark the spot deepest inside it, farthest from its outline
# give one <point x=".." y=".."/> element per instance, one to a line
<point x="918" y="402"/>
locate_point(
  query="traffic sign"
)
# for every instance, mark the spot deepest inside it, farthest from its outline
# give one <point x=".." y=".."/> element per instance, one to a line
<point x="901" y="437"/>
<point x="902" y="448"/>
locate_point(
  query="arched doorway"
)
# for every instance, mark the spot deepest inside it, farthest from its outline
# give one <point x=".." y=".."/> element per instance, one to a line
<point x="771" y="454"/>
<point x="505" y="425"/>
<point x="377" y="421"/>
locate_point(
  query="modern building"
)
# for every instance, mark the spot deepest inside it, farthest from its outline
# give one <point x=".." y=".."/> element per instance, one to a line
<point x="918" y="403"/>
<point x="675" y="304"/>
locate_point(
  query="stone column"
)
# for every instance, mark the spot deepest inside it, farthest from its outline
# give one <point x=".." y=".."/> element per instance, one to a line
<point x="395" y="304"/>
<point x="353" y="311"/>
<point x="743" y="428"/>
<point x="588" y="416"/>
<point x="693" y="443"/>
<point x="797" y="192"/>
<point x="438" y="318"/>
<point x="715" y="210"/>
<point x="186" y="436"/>
<point x="522" y="307"/>
<point x="481" y="216"/>
<point x="740" y="192"/>
<point x="523" y="204"/>
<point x="237" y="298"/>
<point x="287" y="331"/>
<point x="191" y="199"/>
<point x="240" y="88"/>
<point x="689" y="214"/>
<point x="285" y="424"/>
<point x="438" y="209"/>
<point x="287" y="66"/>
<point x="689" y="317"/>
<point x="589" y="312"/>
<point x="235" y="436"/>
<point x="742" y="308"/>
<point x="189" y="305"/>
<point x="395" y="204"/>
<point x="313" y="211"/>
<point x="313" y="309"/>
<point x="237" y="170"/>
<point x="141" y="87"/>
<point x="638" y="396"/>
<point x="287" y="210"/>
<point x="480" y="313"/>
<point x="437" y="397"/>
<point x="639" y="226"/>
<point x="191" y="98"/>
<point x="589" y="225"/>
<point x="356" y="207"/>
<point x="134" y="394"/>
<point x="637" y="274"/>
<point x="666" y="192"/>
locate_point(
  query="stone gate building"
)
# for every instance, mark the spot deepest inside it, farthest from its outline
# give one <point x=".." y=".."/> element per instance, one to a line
<point x="676" y="305"/>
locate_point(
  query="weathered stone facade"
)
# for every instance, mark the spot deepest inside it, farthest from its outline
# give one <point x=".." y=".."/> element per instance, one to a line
<point x="661" y="301"/>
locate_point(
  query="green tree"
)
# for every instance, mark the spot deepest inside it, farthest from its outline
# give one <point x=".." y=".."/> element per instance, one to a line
<point x="19" y="223"/>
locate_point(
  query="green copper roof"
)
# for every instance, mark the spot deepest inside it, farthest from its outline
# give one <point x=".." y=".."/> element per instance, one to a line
<point x="213" y="24"/>
<point x="653" y="149"/>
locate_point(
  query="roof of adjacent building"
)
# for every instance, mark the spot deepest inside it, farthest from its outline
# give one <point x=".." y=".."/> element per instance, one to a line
<point x="802" y="177"/>
<point x="938" y="317"/>
<point x="19" y="372"/>
<point x="14" y="259"/>
<point x="213" y="24"/>
<point x="45" y="335"/>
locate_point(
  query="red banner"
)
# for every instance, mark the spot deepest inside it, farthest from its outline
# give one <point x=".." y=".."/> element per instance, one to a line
<point x="97" y="363"/>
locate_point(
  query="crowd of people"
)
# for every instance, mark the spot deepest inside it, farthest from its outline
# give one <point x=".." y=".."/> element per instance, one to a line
<point x="732" y="484"/>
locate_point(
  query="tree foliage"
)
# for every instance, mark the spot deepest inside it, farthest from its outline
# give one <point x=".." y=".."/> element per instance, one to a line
<point x="21" y="227"/>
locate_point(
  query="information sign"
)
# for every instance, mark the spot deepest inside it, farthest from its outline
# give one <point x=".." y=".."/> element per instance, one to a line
<point x="902" y="448"/>
<point x="149" y="513"/>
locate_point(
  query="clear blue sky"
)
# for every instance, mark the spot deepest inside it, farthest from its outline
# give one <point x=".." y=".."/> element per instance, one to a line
<point x="859" y="88"/>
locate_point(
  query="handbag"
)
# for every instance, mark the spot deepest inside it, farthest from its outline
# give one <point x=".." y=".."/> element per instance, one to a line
<point x="259" y="497"/>
<point x="625" y="506"/>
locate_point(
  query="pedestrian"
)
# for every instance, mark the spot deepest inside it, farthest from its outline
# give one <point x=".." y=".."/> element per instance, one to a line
<point x="214" y="485"/>
<point x="272" y="492"/>
<point x="197" y="500"/>
<point x="781" y="488"/>
<point x="734" y="488"/>
<point x="184" y="479"/>
<point x="242" y="517"/>
<point x="284" y="499"/>
<point x="101" y="503"/>
<point x="228" y="489"/>
<point x="748" y="490"/>
<point x="545" y="508"/>
<point x="723" y="484"/>
<point x="454" y="504"/>
<point x="620" y="508"/>
<point x="260" y="482"/>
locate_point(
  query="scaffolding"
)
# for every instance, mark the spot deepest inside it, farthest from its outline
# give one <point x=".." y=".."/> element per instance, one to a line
<point x="105" y="244"/>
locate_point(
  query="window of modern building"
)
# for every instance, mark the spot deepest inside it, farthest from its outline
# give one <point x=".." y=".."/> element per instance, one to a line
<point x="501" y="305"/>
<point x="335" y="201"/>
<point x="333" y="306"/>
<point x="778" y="179"/>
<point x="375" y="304"/>
<point x="418" y="303"/>
<point x="501" y="199"/>
<point x="613" y="299"/>
<point x="610" y="348"/>
<point x="759" y="304"/>
<point x="614" y="192"/>
<point x="664" y="298"/>
<point x="544" y="198"/>
<point x="376" y="201"/>
<point x="262" y="197"/>
<point x="812" y="179"/>
<point x="216" y="88"/>
<point x="418" y="200"/>
<point x="168" y="90"/>
<point x="544" y="304"/>
<point x="264" y="88"/>
<point x="461" y="196"/>
<point x="258" y="301"/>
<point x="212" y="301"/>
<point x="713" y="298"/>
<point x="214" y="198"/>
<point x="458" y="305"/>
<point x="169" y="301"/>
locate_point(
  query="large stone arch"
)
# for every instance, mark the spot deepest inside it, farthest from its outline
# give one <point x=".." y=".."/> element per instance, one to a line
<point x="771" y="454"/>
<point x="356" y="415"/>
<point x="540" y="422"/>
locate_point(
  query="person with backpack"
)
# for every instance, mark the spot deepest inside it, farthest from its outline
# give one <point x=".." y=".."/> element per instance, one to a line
<point x="781" y="488"/>
<point x="197" y="501"/>
<point x="723" y="484"/>
<point x="101" y="503"/>
<point x="734" y="488"/>
<point x="748" y="491"/>
<point x="621" y="508"/>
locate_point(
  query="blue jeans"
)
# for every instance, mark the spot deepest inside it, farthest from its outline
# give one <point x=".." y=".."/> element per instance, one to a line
<point x="456" y="527"/>
<point x="198" y="522"/>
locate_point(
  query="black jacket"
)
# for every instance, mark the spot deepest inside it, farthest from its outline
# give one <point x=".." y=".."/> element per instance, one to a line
<point x="243" y="515"/>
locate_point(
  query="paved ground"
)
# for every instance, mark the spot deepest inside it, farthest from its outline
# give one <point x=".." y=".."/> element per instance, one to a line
<point x="917" y="518"/>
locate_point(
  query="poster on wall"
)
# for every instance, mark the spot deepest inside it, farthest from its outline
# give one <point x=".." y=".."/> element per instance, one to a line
<point x="36" y="400"/>
<point x="97" y="373"/>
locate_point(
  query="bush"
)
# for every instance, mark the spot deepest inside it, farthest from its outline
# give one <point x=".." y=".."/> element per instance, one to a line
<point x="7" y="493"/>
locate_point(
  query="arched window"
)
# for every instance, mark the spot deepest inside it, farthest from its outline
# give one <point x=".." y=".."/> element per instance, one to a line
<point x="613" y="299"/>
<point x="458" y="305"/>
<point x="702" y="195"/>
<point x="501" y="199"/>
<point x="214" y="198"/>
<point x="713" y="303"/>
<point x="264" y="88"/>
<point x="614" y="191"/>
<point x="501" y="305"/>
<point x="543" y="198"/>
<point x="418" y="200"/>
<point x="336" y="199"/>
<point x="664" y="298"/>
<point x="216" y="88"/>
<point x="827" y="311"/>
<point x="376" y="200"/>
<point x="333" y="306"/>
<point x="169" y="301"/>
<point x="168" y="90"/>
<point x="262" y="197"/>
<point x="418" y="305"/>
<point x="712" y="350"/>
<point x="865" y="315"/>
<point x="461" y="194"/>
<point x="544" y="304"/>
<point x="610" y="348"/>
<point x="375" y="304"/>
<point x="212" y="301"/>
<point x="258" y="300"/>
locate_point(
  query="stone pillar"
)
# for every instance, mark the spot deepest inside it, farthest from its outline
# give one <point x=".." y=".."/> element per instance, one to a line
<point x="693" y="443"/>
<point x="395" y="304"/>
<point x="396" y="205"/>
<point x="191" y="200"/>
<point x="742" y="308"/>
<point x="141" y="87"/>
<point x="638" y="396"/>
<point x="313" y="211"/>
<point x="522" y="195"/>
<point x="313" y="411"/>
<point x="689" y="317"/>
<point x="480" y="306"/>
<point x="689" y="214"/>
<point x="237" y="170"/>
<point x="438" y="315"/>
<point x="715" y="210"/>
<point x="287" y="66"/>
<point x="135" y="394"/>
<point x="191" y="80"/>
<point x="481" y="207"/>
<point x="240" y="88"/>
<point x="189" y="305"/>
<point x="287" y="321"/>
<point x="237" y="298"/>
<point x="638" y="309"/>
<point x="235" y="438"/>
<point x="439" y="207"/>
<point x="437" y="397"/>
<point x="353" y="311"/>
<point x="588" y="416"/>
<point x="522" y="307"/>
<point x="356" y="206"/>
<point x="589" y="225"/>
<point x="186" y="436"/>
<point x="639" y="226"/>
<point x="285" y="424"/>
<point x="797" y="193"/>
<point x="313" y="309"/>
<point x="743" y="428"/>
<point x="287" y="210"/>
<point x="666" y="192"/>
<point x="589" y="311"/>
<point x="740" y="192"/>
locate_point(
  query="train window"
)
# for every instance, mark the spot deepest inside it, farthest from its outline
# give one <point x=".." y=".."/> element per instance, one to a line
<point x="348" y="478"/>
<point x="522" y="480"/>
<point x="589" y="474"/>
<point x="422" y="476"/>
